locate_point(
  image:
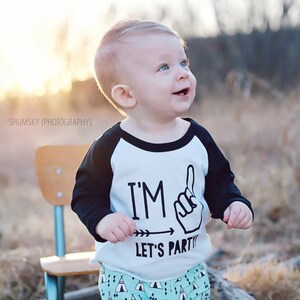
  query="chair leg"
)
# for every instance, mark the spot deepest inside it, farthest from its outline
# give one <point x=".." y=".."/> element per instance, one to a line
<point x="55" y="287"/>
<point x="51" y="285"/>
<point x="61" y="287"/>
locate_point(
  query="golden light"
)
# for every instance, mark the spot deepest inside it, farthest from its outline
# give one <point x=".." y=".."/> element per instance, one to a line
<point x="47" y="44"/>
<point x="32" y="56"/>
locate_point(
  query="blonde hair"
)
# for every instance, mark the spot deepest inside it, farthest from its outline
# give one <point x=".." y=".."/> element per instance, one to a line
<point x="107" y="54"/>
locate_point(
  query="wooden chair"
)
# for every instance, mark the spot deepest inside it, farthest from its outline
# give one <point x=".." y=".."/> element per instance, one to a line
<point x="56" y="167"/>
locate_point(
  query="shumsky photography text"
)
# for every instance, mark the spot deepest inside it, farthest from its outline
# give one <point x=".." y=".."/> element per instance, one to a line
<point x="50" y="122"/>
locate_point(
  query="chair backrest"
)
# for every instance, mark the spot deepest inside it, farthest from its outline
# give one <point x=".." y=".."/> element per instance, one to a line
<point x="56" y="167"/>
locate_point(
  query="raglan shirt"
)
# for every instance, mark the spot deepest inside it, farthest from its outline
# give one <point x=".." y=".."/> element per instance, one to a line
<point x="169" y="189"/>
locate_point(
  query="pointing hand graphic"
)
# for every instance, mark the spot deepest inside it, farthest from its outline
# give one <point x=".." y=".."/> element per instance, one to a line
<point x="187" y="208"/>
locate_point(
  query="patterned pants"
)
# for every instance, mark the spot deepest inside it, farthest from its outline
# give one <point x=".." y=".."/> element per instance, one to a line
<point x="193" y="285"/>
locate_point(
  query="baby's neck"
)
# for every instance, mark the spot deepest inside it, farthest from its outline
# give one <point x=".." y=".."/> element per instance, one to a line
<point x="156" y="132"/>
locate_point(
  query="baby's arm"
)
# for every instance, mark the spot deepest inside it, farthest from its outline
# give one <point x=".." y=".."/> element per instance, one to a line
<point x="115" y="227"/>
<point x="238" y="215"/>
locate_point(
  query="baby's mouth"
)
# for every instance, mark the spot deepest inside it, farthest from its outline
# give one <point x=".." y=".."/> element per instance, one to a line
<point x="182" y="92"/>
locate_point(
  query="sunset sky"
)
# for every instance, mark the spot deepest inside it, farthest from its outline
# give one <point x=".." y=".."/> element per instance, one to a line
<point x="45" y="44"/>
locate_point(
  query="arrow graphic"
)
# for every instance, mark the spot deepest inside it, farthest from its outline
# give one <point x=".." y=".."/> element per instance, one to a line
<point x="146" y="232"/>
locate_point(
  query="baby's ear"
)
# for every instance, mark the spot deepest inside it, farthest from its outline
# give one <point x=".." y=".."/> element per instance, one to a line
<point x="122" y="95"/>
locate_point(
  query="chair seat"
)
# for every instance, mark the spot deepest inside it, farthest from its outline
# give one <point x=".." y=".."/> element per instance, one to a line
<point x="70" y="264"/>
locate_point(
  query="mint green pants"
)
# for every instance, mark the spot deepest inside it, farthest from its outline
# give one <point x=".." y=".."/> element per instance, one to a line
<point x="193" y="285"/>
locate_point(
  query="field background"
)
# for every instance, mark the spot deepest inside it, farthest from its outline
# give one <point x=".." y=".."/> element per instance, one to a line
<point x="259" y="137"/>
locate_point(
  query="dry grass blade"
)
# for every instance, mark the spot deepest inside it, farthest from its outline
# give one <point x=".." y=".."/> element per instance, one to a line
<point x="270" y="280"/>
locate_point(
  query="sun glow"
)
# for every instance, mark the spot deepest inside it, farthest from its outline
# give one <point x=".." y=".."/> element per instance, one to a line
<point x="47" y="44"/>
<point x="39" y="50"/>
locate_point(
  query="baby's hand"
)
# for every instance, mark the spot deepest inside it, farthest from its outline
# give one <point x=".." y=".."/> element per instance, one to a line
<point x="115" y="227"/>
<point x="238" y="215"/>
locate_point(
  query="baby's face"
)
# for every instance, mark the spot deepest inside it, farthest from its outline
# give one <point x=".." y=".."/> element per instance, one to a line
<point x="156" y="69"/>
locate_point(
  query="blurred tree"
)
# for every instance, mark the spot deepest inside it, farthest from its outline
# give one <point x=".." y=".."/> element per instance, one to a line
<point x="269" y="49"/>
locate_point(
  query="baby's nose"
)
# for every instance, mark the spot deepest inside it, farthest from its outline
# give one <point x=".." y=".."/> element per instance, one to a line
<point x="182" y="74"/>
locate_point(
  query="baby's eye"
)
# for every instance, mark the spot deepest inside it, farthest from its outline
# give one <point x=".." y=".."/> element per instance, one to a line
<point x="164" y="67"/>
<point x="185" y="63"/>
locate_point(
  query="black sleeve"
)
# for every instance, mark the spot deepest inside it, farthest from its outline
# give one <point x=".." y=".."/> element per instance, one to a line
<point x="91" y="201"/>
<point x="220" y="189"/>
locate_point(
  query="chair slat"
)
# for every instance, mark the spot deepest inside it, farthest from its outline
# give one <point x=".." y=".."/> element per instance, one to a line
<point x="56" y="168"/>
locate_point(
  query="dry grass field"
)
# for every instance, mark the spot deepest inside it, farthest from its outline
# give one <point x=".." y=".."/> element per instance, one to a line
<point x="260" y="138"/>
